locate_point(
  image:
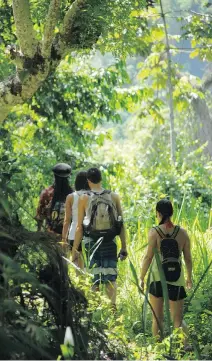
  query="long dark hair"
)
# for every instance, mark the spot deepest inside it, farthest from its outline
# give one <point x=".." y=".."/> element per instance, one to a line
<point x="61" y="189"/>
<point x="81" y="181"/>
<point x="165" y="208"/>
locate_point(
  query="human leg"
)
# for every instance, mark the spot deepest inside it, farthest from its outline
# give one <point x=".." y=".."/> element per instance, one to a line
<point x="176" y="310"/>
<point x="80" y="261"/>
<point x="157" y="315"/>
<point x="105" y="273"/>
<point x="109" y="276"/>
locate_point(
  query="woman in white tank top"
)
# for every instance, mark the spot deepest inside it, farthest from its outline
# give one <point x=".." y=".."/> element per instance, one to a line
<point x="71" y="210"/>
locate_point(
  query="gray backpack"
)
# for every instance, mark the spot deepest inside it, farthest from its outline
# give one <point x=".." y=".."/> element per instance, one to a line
<point x="103" y="216"/>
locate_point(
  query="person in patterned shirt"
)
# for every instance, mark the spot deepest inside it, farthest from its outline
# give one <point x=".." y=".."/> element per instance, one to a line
<point x="53" y="194"/>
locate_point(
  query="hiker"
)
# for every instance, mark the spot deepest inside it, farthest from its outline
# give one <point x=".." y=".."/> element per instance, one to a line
<point x="100" y="220"/>
<point x="71" y="212"/>
<point x="51" y="207"/>
<point x="170" y="241"/>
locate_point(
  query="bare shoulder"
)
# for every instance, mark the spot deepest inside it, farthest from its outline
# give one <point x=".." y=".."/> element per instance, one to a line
<point x="152" y="237"/>
<point x="69" y="197"/>
<point x="152" y="232"/>
<point x="115" y="196"/>
<point x="116" y="199"/>
<point x="69" y="200"/>
<point x="183" y="232"/>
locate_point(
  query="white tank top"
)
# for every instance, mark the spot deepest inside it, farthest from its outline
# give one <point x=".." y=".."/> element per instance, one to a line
<point x="73" y="225"/>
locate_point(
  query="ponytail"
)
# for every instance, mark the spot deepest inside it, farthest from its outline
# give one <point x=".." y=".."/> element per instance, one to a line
<point x="165" y="217"/>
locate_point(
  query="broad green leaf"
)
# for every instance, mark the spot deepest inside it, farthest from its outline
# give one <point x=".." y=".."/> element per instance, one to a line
<point x="194" y="53"/>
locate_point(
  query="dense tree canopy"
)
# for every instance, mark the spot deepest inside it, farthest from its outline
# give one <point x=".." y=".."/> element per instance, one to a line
<point x="43" y="34"/>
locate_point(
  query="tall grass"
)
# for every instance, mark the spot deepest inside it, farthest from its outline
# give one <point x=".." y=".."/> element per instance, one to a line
<point x="128" y="293"/>
<point x="134" y="313"/>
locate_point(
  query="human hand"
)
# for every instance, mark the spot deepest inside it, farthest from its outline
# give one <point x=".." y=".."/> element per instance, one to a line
<point x="64" y="246"/>
<point x="123" y="254"/>
<point x="75" y="258"/>
<point x="189" y="284"/>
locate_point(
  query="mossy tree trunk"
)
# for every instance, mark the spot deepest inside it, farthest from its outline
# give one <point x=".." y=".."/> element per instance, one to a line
<point x="34" y="59"/>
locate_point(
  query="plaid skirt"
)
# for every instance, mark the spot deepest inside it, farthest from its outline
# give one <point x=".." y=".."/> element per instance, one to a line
<point x="101" y="259"/>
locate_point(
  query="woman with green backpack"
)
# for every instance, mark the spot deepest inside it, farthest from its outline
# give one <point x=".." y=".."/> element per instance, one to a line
<point x="166" y="244"/>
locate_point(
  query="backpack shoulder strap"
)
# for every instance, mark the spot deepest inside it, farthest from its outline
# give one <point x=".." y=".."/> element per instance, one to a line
<point x="162" y="235"/>
<point x="159" y="231"/>
<point x="105" y="191"/>
<point x="175" y="232"/>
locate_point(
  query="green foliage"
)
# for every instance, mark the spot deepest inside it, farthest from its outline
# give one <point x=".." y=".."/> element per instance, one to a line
<point x="137" y="166"/>
<point x="117" y="23"/>
<point x="127" y="29"/>
<point x="142" y="161"/>
<point x="58" y="124"/>
<point x="80" y="97"/>
<point x="67" y="351"/>
<point x="76" y="117"/>
<point x="38" y="300"/>
<point x="21" y="332"/>
<point x="198" y="30"/>
<point x="7" y="38"/>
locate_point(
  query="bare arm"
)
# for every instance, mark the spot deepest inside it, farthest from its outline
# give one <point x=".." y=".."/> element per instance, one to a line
<point x="68" y="215"/>
<point x="123" y="229"/>
<point x="79" y="230"/>
<point x="188" y="258"/>
<point x="152" y="244"/>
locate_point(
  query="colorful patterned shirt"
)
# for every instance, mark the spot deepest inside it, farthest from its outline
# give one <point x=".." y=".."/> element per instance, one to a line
<point x="44" y="204"/>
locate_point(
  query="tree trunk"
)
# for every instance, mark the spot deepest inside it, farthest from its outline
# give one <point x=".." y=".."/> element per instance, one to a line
<point x="203" y="124"/>
<point x="34" y="60"/>
<point x="170" y="89"/>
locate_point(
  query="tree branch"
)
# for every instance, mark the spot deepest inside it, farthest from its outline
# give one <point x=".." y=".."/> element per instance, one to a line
<point x="24" y="27"/>
<point x="51" y="22"/>
<point x="62" y="41"/>
<point x="17" y="89"/>
<point x="70" y="17"/>
<point x="16" y="56"/>
<point x="200" y="14"/>
<point x="81" y="28"/>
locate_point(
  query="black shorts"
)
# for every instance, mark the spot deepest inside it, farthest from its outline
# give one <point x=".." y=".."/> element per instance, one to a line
<point x="175" y="293"/>
<point x="71" y="243"/>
